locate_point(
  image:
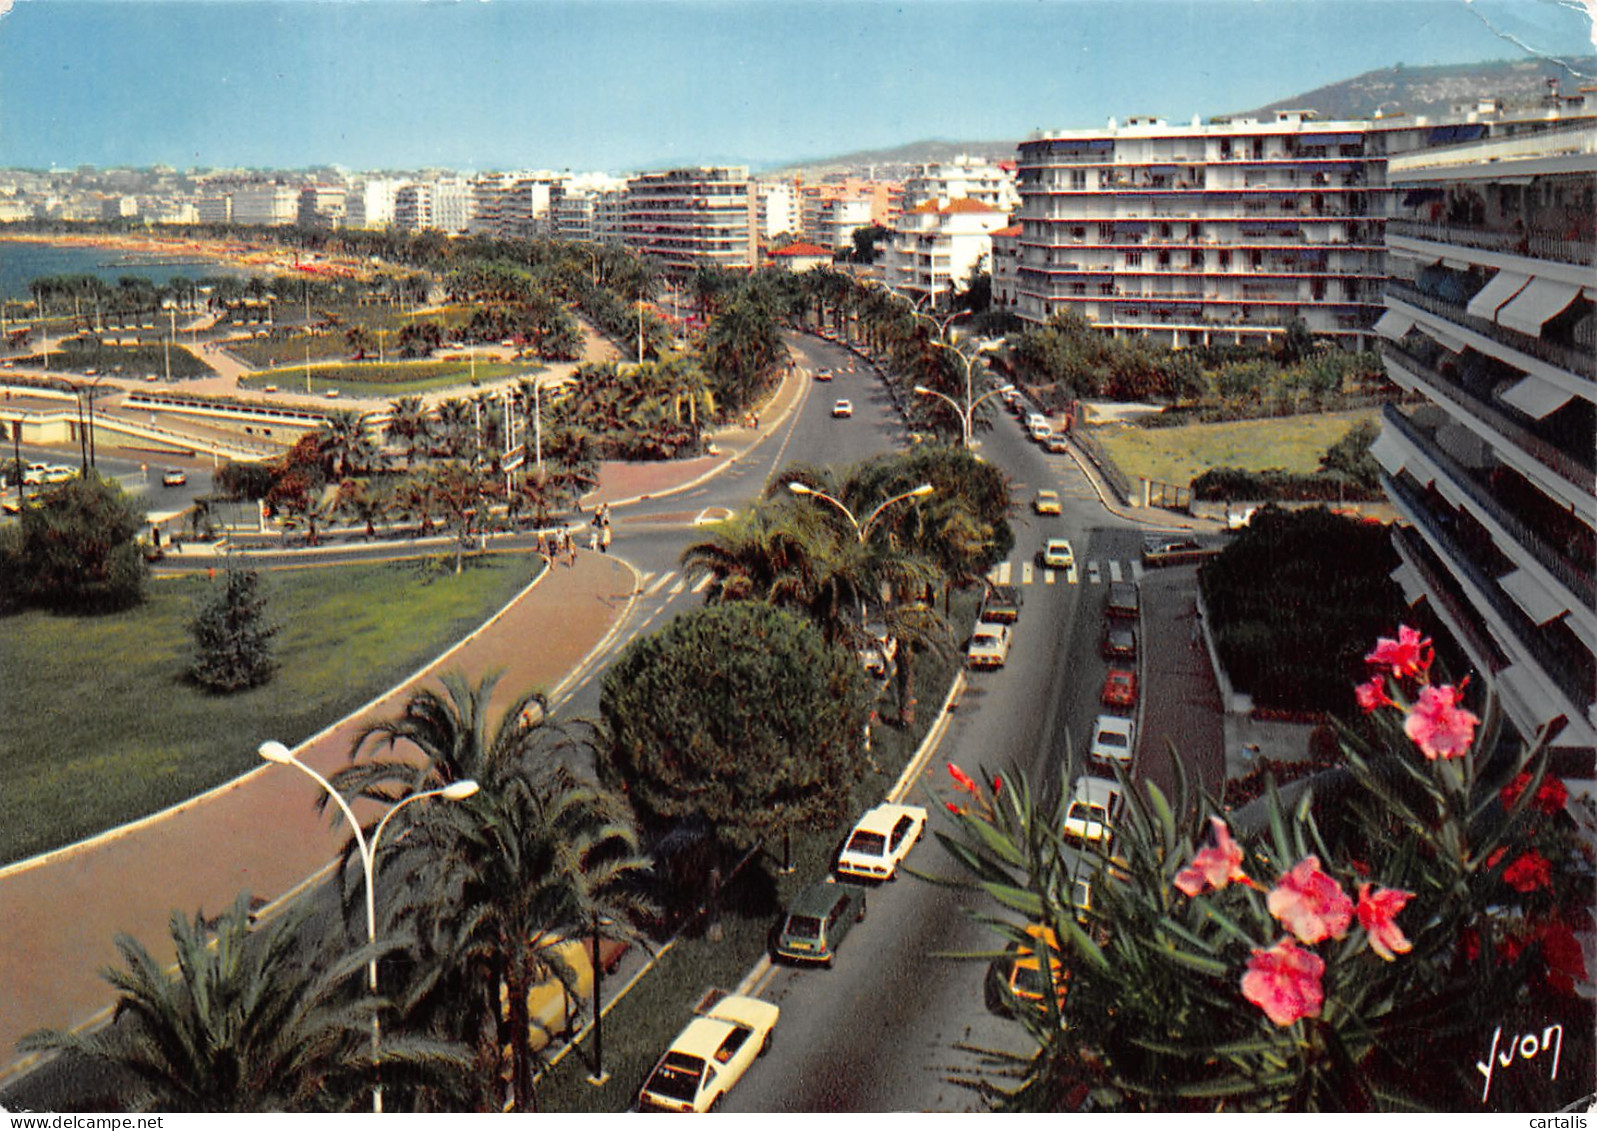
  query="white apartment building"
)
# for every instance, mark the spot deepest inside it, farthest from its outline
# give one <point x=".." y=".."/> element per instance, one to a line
<point x="591" y="209"/>
<point x="370" y="204"/>
<point x="442" y="205"/>
<point x="515" y="205"/>
<point x="1491" y="316"/>
<point x="322" y="206"/>
<point x="935" y="247"/>
<point x="778" y="209"/>
<point x="690" y="218"/>
<point x="965" y="178"/>
<point x="1217" y="232"/>
<point x="269" y="204"/>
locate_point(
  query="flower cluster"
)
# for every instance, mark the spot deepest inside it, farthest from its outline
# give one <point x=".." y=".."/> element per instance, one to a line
<point x="1284" y="980"/>
<point x="1437" y="722"/>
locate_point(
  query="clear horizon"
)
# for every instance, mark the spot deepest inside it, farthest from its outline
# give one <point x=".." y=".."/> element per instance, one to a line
<point x="621" y="85"/>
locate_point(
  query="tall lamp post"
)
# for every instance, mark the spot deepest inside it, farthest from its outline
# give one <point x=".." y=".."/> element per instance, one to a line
<point x="967" y="412"/>
<point x="861" y="529"/>
<point x="455" y="791"/>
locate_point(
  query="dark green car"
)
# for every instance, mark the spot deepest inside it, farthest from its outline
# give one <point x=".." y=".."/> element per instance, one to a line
<point x="817" y="920"/>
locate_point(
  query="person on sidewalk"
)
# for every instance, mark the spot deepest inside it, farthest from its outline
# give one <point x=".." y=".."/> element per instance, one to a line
<point x="593" y="541"/>
<point x="604" y="538"/>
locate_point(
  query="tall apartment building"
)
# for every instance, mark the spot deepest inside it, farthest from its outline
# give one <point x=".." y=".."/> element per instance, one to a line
<point x="966" y="178"/>
<point x="442" y="205"/>
<point x="778" y="209"/>
<point x="265" y="203"/>
<point x="322" y="206"/>
<point x="935" y="247"/>
<point x="1218" y="232"/>
<point x="833" y="210"/>
<point x="515" y="205"/>
<point x="370" y="204"/>
<point x="691" y="218"/>
<point x="1490" y="317"/>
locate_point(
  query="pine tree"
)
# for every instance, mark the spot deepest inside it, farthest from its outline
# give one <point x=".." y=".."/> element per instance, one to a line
<point x="232" y="637"/>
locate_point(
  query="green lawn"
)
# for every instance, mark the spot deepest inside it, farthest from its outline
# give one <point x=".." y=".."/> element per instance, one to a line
<point x="1179" y="455"/>
<point x="389" y="379"/>
<point x="101" y="727"/>
<point x="638" y="1029"/>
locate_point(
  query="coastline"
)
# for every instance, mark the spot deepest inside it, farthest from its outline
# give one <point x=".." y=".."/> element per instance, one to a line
<point x="228" y="253"/>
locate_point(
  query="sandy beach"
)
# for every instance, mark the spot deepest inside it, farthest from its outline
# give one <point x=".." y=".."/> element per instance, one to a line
<point x="232" y="253"/>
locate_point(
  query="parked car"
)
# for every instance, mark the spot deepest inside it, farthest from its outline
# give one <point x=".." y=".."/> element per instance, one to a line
<point x="1095" y="806"/>
<point x="1019" y="971"/>
<point x="880" y="841"/>
<point x="817" y="921"/>
<point x="174" y="477"/>
<point x="1040" y="431"/>
<point x="1112" y="739"/>
<point x="1124" y="599"/>
<point x="1002" y="605"/>
<point x="59" y="473"/>
<point x="1175" y="551"/>
<point x="1057" y="554"/>
<point x="1057" y="443"/>
<point x="1119" y="643"/>
<point x="33" y="474"/>
<point x="552" y="1005"/>
<point x="1120" y="688"/>
<point x="711" y="1054"/>
<point x="989" y="646"/>
<point x="843" y="408"/>
<point x="1046" y="502"/>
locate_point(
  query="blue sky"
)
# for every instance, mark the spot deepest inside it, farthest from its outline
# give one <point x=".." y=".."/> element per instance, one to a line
<point x="621" y="85"/>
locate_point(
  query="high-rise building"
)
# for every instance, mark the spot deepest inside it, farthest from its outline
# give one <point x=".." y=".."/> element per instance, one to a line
<point x="1217" y="232"/>
<point x="968" y="178"/>
<point x="370" y="204"/>
<point x="936" y="246"/>
<point x="1490" y="318"/>
<point x="265" y="203"/>
<point x="691" y="218"/>
<point x="322" y="206"/>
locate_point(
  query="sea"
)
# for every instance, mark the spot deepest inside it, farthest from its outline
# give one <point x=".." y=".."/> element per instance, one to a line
<point x="22" y="262"/>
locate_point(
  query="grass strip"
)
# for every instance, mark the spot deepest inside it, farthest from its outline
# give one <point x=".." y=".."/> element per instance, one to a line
<point x="105" y="727"/>
<point x="1179" y="455"/>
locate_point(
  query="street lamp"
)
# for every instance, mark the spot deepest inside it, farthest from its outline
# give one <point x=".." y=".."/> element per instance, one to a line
<point x="862" y="529"/>
<point x="455" y="791"/>
<point x="968" y="412"/>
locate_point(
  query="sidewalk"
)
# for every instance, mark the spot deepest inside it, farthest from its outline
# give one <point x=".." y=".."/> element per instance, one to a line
<point x="1181" y="702"/>
<point x="259" y="833"/>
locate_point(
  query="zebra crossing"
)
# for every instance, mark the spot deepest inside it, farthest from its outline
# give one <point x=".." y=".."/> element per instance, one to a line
<point x="673" y="582"/>
<point x="1082" y="573"/>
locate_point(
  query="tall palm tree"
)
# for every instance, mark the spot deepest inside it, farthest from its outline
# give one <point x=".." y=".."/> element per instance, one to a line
<point x="347" y="444"/>
<point x="494" y="886"/>
<point x="251" y="1023"/>
<point x="407" y="425"/>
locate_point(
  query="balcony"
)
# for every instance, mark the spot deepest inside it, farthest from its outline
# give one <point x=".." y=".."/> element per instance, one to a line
<point x="1489" y="511"/>
<point x="1566" y="666"/>
<point x="1557" y="249"/>
<point x="1509" y="435"/>
<point x="1569" y="358"/>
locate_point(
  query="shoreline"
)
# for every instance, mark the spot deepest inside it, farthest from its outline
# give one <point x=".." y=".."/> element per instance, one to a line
<point x="263" y="258"/>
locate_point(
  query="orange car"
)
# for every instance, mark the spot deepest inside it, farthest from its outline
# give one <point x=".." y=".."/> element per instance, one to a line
<point x="1120" y="688"/>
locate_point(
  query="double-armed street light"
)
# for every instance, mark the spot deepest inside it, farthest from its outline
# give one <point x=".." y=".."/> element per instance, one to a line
<point x="862" y="529"/>
<point x="455" y="791"/>
<point x="966" y="412"/>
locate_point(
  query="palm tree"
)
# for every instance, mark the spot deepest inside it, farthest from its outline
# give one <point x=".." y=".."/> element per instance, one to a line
<point x="407" y="425"/>
<point x="249" y="1024"/>
<point x="347" y="446"/>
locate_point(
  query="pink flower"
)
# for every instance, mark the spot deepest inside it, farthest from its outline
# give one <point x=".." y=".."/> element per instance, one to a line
<point x="1310" y="903"/>
<point x="1409" y="654"/>
<point x="1372" y="693"/>
<point x="962" y="779"/>
<point x="1439" y="726"/>
<point x="1284" y="981"/>
<point x="1214" y="867"/>
<point x="1376" y="914"/>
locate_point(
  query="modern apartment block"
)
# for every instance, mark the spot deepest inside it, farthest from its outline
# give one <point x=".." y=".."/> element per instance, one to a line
<point x="936" y="246"/>
<point x="515" y="205"/>
<point x="831" y="211"/>
<point x="443" y="205"/>
<point x="963" y="178"/>
<point x="590" y="209"/>
<point x="1490" y="318"/>
<point x="1217" y="232"/>
<point x="691" y="218"/>
<point x="370" y="203"/>
<point x="322" y="206"/>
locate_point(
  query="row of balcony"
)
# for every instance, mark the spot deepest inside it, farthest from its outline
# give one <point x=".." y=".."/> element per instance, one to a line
<point x="1568" y="666"/>
<point x="1557" y="249"/>
<point x="1572" y="359"/>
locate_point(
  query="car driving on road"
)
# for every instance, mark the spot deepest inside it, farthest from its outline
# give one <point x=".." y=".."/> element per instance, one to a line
<point x="989" y="646"/>
<point x="1112" y="739"/>
<point x="880" y="841"/>
<point x="817" y="921"/>
<point x="1120" y="688"/>
<point x="1046" y="502"/>
<point x="1057" y="554"/>
<point x="1002" y="605"/>
<point x="843" y="408"/>
<point x="711" y="1054"/>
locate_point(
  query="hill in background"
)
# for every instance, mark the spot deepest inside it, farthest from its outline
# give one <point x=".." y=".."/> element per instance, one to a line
<point x="1431" y="91"/>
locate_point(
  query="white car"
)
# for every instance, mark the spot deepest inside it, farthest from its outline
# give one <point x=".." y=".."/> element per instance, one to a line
<point x="1112" y="739"/>
<point x="1057" y="554"/>
<point x="989" y="646"/>
<point x="1094" y="807"/>
<point x="59" y="473"/>
<point x="174" y="477"/>
<point x="711" y="1054"/>
<point x="843" y="408"/>
<point x="881" y="839"/>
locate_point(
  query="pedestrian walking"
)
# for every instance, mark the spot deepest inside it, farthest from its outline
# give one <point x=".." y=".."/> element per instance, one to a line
<point x="593" y="540"/>
<point x="604" y="538"/>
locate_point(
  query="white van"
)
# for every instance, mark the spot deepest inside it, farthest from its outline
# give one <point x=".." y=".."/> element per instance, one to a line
<point x="1039" y="428"/>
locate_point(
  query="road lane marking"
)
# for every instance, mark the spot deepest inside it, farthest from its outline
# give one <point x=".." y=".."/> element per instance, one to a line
<point x="1047" y="577"/>
<point x="1137" y="571"/>
<point x="1114" y="571"/>
<point x="681" y="584"/>
<point x="703" y="583"/>
<point x="1025" y="573"/>
<point x="659" y="582"/>
<point x="1093" y="576"/>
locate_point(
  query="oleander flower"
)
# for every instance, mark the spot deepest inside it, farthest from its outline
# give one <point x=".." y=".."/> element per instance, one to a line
<point x="1284" y="981"/>
<point x="1531" y="872"/>
<point x="1372" y="693"/>
<point x="1550" y="798"/>
<point x="1311" y="904"/>
<point x="963" y="780"/>
<point x="1410" y="654"/>
<point x="1214" y="868"/>
<point x="1377" y="911"/>
<point x="1439" y="726"/>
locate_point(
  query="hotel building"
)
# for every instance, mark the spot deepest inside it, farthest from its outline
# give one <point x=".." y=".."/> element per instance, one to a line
<point x="691" y="218"/>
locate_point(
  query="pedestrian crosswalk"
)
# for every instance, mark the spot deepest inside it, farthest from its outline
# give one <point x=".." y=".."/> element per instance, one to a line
<point x="673" y="583"/>
<point x="1088" y="573"/>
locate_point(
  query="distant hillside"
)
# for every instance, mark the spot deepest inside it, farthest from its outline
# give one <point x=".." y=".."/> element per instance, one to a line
<point x="914" y="153"/>
<point x="1434" y="90"/>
